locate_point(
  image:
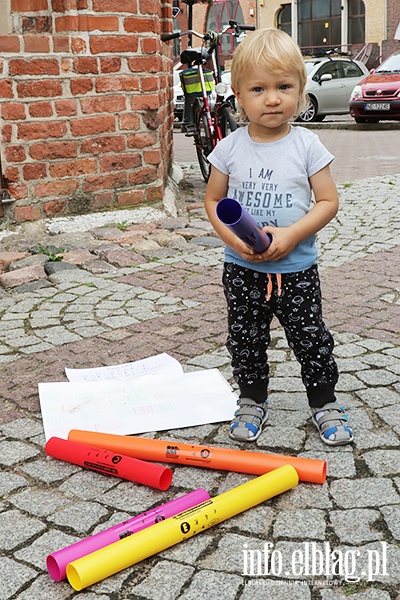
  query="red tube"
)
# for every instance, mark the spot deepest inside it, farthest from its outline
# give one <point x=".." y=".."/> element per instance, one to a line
<point x="109" y="463"/>
<point x="225" y="459"/>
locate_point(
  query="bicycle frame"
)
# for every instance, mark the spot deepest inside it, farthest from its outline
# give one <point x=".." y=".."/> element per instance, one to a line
<point x="210" y="123"/>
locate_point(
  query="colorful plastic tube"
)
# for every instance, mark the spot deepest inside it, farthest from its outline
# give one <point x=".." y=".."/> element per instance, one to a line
<point x="58" y="561"/>
<point x="232" y="214"/>
<point x="114" y="558"/>
<point x="107" y="462"/>
<point x="225" y="459"/>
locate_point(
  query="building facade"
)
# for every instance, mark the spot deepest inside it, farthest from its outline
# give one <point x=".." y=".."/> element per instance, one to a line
<point x="315" y="24"/>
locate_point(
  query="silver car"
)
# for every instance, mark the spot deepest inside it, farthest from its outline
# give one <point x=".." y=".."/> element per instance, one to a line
<point x="330" y="81"/>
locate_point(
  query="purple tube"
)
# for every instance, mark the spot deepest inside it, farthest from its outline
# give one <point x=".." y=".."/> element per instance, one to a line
<point x="233" y="215"/>
<point x="57" y="562"/>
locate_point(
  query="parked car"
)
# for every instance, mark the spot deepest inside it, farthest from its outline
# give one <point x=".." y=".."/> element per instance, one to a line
<point x="377" y="96"/>
<point x="179" y="99"/>
<point x="330" y="81"/>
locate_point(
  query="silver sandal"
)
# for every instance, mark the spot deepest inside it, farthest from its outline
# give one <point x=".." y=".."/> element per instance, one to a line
<point x="330" y="420"/>
<point x="248" y="421"/>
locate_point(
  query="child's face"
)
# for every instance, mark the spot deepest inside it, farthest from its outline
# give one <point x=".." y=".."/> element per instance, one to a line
<point x="268" y="99"/>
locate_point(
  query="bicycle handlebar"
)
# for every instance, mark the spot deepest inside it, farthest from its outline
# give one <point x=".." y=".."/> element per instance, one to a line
<point x="232" y="25"/>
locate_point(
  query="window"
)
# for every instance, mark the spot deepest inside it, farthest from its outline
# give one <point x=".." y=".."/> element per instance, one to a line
<point x="351" y="69"/>
<point x="330" y="68"/>
<point x="219" y="14"/>
<point x="356" y="22"/>
<point x="319" y="22"/>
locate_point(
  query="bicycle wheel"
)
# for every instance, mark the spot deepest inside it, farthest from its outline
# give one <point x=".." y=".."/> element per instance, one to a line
<point x="202" y="139"/>
<point x="227" y="121"/>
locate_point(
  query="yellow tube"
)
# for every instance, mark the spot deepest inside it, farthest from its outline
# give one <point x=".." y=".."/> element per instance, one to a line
<point x="107" y="561"/>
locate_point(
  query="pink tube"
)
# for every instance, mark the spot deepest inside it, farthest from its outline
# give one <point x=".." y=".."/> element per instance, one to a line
<point x="110" y="463"/>
<point x="57" y="562"/>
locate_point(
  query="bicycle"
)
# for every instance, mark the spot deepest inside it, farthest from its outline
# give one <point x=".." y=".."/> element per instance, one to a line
<point x="211" y="122"/>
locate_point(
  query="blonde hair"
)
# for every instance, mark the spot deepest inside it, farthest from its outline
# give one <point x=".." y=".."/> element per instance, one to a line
<point x="274" y="50"/>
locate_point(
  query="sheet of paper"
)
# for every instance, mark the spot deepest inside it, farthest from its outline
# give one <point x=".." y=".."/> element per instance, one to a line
<point x="134" y="406"/>
<point x="160" y="364"/>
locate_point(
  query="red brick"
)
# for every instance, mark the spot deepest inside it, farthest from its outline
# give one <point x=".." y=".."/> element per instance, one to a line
<point x="150" y="45"/>
<point x="113" y="43"/>
<point x="73" y="168"/>
<point x="32" y="171"/>
<point x="56" y="188"/>
<point x="12" y="174"/>
<point x="129" y="121"/>
<point x="61" y="43"/>
<point x="6" y="133"/>
<point x="18" y="192"/>
<point x="6" y="88"/>
<point x="78" y="45"/>
<point x="43" y="88"/>
<point x="55" y="207"/>
<point x="141" y="140"/>
<point x="123" y="83"/>
<point x="101" y="182"/>
<point x="103" y="104"/>
<point x="100" y="145"/>
<point x="120" y="162"/>
<point x="28" y="5"/>
<point x="42" y="130"/>
<point x="150" y="7"/>
<point x="152" y="157"/>
<point x="145" y="175"/>
<point x="64" y="5"/>
<point x="15" y="154"/>
<point x="9" y="43"/>
<point x="37" y="43"/>
<point x="130" y="197"/>
<point x="142" y="25"/>
<point x="145" y="102"/>
<point x="85" y="65"/>
<point x="86" y="23"/>
<point x="27" y="213"/>
<point x="53" y="150"/>
<point x="144" y="64"/>
<point x="115" y="6"/>
<point x="65" y="108"/>
<point x="40" y="109"/>
<point x="110" y="64"/>
<point x="13" y="111"/>
<point x="155" y="193"/>
<point x="81" y="86"/>
<point x="102" y="23"/>
<point x="151" y="84"/>
<point x="67" y="23"/>
<point x="36" y="25"/>
<point x="92" y="125"/>
<point x="34" y="66"/>
<point x="103" y="200"/>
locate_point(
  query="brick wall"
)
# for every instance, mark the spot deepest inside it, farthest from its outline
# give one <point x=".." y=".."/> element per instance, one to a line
<point x="85" y="105"/>
<point x="390" y="45"/>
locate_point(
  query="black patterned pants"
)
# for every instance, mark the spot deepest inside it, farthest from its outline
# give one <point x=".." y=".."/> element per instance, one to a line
<point x="299" y="310"/>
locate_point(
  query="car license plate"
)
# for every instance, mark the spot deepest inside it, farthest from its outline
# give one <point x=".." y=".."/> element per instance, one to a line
<point x="377" y="106"/>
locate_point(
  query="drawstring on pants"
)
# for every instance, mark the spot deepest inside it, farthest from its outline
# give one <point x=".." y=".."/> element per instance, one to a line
<point x="270" y="284"/>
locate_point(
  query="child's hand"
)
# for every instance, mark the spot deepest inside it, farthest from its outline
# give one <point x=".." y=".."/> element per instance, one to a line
<point x="245" y="251"/>
<point x="283" y="243"/>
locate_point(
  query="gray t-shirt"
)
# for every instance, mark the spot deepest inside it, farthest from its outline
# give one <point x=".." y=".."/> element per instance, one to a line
<point x="271" y="181"/>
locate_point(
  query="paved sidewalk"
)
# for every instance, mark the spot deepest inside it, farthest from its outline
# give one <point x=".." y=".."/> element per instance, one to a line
<point x="137" y="283"/>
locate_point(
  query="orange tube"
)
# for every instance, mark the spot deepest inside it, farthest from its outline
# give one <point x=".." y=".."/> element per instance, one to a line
<point x="224" y="459"/>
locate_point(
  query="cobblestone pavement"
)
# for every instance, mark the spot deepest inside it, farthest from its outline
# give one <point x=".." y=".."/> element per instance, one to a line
<point x="137" y="283"/>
